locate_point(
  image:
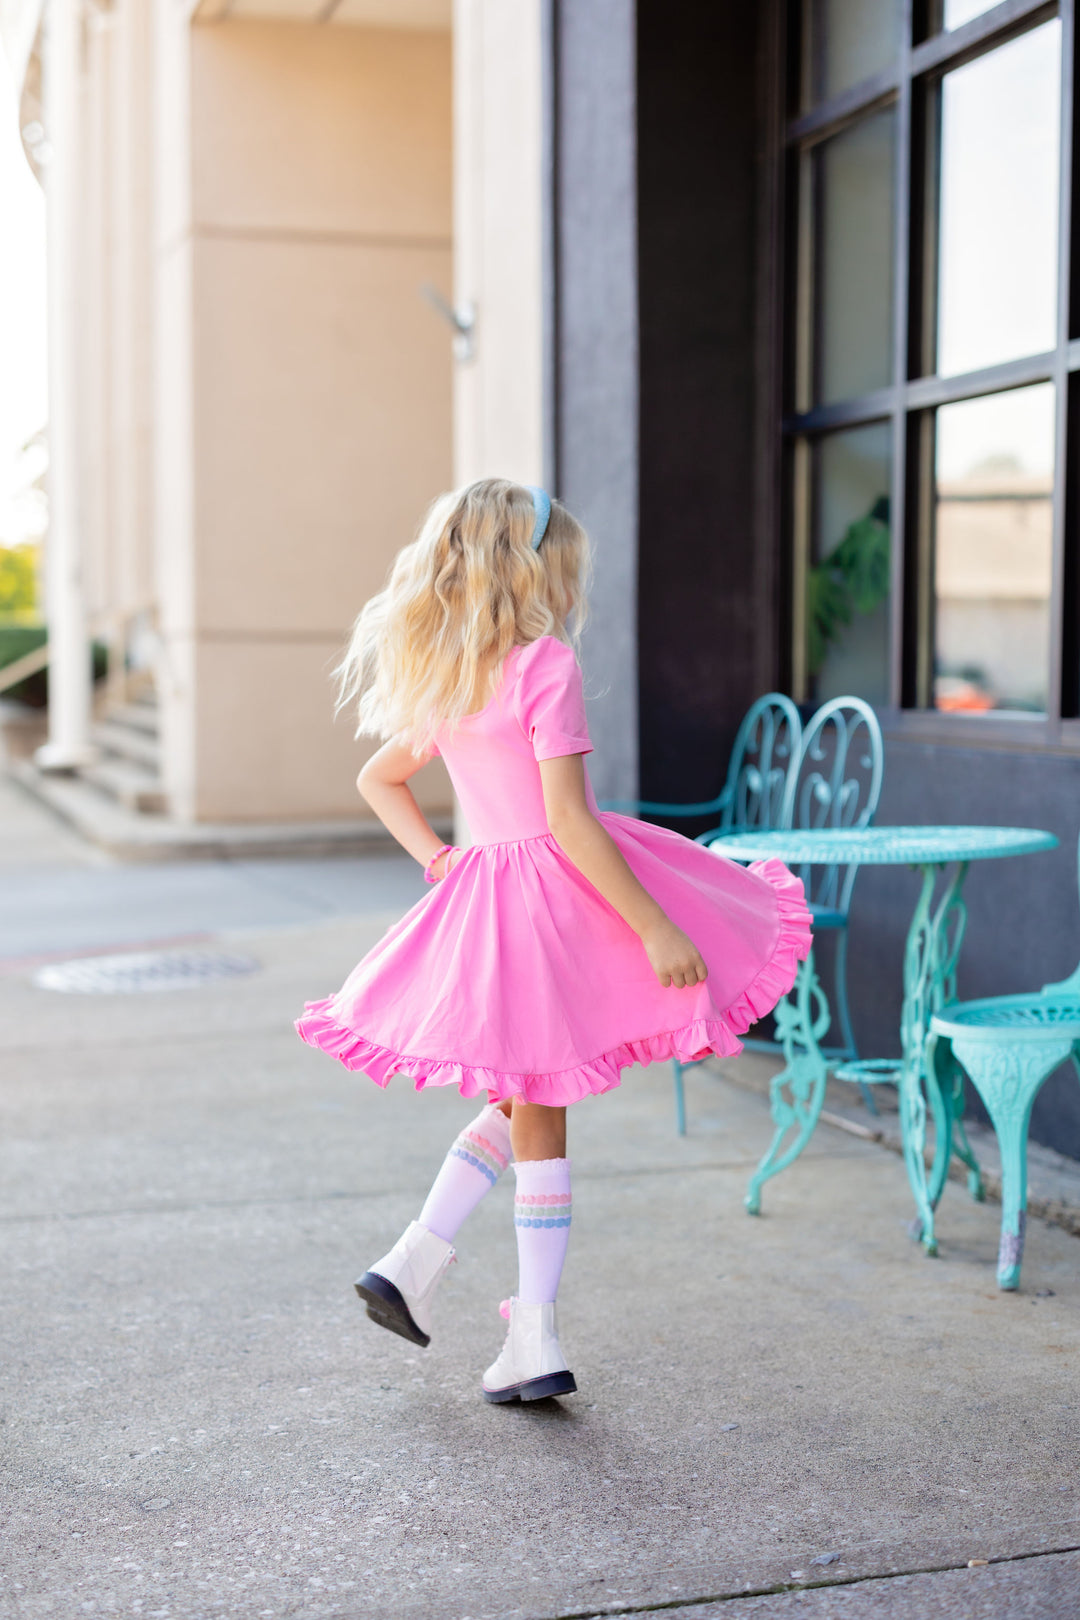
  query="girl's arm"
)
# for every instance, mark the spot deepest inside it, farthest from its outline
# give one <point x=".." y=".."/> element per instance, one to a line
<point x="383" y="782"/>
<point x="675" y="959"/>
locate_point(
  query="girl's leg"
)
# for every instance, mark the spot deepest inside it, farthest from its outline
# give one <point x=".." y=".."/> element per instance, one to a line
<point x="542" y="1206"/>
<point x="531" y="1365"/>
<point x="537" y="1132"/>
<point x="398" y="1289"/>
<point x="471" y="1168"/>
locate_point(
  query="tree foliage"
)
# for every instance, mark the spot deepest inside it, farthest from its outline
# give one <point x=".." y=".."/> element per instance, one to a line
<point x="18" y="582"/>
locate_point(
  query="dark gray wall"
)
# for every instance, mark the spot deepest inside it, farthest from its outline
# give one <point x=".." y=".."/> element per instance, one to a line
<point x="595" y="359"/>
<point x="697" y="246"/>
<point x="1023" y="916"/>
<point x="655" y="176"/>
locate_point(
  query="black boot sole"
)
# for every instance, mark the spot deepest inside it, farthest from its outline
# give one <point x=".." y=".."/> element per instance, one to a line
<point x="386" y="1306"/>
<point x="534" y="1389"/>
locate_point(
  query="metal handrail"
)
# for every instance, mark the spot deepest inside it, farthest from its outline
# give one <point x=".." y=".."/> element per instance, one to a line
<point x="29" y="664"/>
<point x="38" y="659"/>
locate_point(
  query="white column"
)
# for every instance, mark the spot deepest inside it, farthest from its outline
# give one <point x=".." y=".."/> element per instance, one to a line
<point x="172" y="399"/>
<point x="498" y="237"/>
<point x="498" y="252"/>
<point x="69" y="651"/>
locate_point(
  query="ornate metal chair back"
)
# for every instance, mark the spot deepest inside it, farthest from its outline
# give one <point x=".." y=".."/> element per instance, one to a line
<point x="837" y="784"/>
<point x="764" y="759"/>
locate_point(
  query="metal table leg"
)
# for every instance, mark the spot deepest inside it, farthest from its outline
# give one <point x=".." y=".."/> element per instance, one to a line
<point x="930" y="957"/>
<point x="798" y="1091"/>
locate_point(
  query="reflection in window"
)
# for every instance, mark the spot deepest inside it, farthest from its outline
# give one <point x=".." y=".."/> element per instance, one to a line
<point x="992" y="551"/>
<point x="850" y="40"/>
<point x="854" y="258"/>
<point x="997" y="280"/>
<point x="847" y="600"/>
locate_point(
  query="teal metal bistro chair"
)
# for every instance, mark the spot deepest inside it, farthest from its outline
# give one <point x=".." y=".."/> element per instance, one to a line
<point x="837" y="784"/>
<point x="1009" y="1045"/>
<point x="765" y="752"/>
<point x="764" y="758"/>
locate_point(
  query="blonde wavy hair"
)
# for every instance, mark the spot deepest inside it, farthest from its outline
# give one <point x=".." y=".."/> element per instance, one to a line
<point x="427" y="650"/>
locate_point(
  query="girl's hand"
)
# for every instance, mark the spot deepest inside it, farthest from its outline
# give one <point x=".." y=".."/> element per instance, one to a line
<point x="675" y="960"/>
<point x="587" y="843"/>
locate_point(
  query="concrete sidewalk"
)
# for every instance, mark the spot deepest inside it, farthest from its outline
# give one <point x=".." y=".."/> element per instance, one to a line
<point x="61" y="895"/>
<point x="796" y="1415"/>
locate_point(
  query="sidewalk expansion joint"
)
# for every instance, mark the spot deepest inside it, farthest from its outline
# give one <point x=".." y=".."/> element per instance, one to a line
<point x="780" y="1587"/>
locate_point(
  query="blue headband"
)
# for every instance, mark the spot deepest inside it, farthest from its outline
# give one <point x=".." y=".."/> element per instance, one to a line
<point x="542" y="508"/>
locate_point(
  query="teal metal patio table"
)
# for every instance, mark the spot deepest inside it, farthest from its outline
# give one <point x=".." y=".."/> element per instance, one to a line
<point x="930" y="958"/>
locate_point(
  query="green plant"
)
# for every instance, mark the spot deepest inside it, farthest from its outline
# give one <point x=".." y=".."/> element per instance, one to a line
<point x="853" y="579"/>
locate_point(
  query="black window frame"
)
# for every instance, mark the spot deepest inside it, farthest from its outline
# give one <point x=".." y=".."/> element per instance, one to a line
<point x="925" y="55"/>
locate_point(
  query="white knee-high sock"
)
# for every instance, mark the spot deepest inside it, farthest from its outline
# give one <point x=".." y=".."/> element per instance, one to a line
<point x="542" y="1210"/>
<point x="470" y="1169"/>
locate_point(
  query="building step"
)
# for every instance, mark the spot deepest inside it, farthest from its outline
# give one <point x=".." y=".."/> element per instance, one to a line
<point x="130" y="836"/>
<point x="117" y="737"/>
<point x="140" y="715"/>
<point x="129" y="782"/>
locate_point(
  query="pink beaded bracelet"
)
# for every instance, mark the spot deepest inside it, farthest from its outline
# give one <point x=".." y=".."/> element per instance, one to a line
<point x="447" y="849"/>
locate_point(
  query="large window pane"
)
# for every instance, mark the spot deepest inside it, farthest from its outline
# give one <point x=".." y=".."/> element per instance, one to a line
<point x="955" y="12"/>
<point x="992" y="551"/>
<point x="847" y="606"/>
<point x="997" y="283"/>
<point x="855" y="186"/>
<point x="851" y="40"/>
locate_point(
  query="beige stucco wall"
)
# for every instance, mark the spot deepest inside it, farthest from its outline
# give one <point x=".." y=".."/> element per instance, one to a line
<point x="314" y="419"/>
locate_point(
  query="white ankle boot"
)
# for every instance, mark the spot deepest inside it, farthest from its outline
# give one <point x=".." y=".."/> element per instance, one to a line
<point x="531" y="1365"/>
<point x="399" y="1288"/>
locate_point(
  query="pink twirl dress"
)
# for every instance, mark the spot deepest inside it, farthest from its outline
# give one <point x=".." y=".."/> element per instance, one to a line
<point x="514" y="977"/>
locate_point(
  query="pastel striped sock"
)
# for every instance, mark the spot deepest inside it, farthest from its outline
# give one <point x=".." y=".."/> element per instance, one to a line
<point x="542" y="1214"/>
<point x="470" y="1169"/>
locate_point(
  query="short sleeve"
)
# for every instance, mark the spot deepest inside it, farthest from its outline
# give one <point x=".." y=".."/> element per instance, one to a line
<point x="549" y="700"/>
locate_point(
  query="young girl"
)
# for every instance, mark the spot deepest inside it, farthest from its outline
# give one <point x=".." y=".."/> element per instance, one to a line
<point x="563" y="945"/>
